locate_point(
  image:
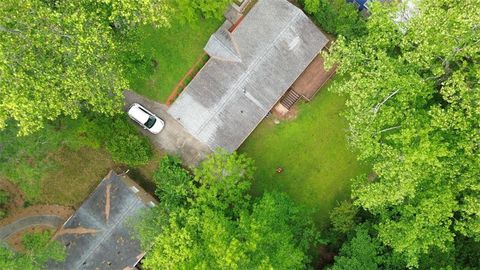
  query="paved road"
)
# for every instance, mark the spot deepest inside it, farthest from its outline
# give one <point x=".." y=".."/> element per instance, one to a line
<point x="173" y="139"/>
<point x="27" y="222"/>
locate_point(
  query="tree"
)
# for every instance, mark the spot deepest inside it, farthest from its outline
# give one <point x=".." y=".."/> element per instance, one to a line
<point x="224" y="180"/>
<point x="55" y="61"/>
<point x="360" y="253"/>
<point x="188" y="11"/>
<point x="59" y="58"/>
<point x="173" y="183"/>
<point x="413" y="93"/>
<point x="218" y="226"/>
<point x="337" y="17"/>
<point x="131" y="13"/>
<point x="274" y="235"/>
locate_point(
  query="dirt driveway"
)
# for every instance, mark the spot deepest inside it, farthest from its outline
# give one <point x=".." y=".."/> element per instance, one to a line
<point x="173" y="139"/>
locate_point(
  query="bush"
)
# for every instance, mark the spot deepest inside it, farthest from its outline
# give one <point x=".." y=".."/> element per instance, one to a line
<point x="4" y="198"/>
<point x="125" y="144"/>
<point x="344" y="217"/>
<point x="137" y="61"/>
<point x="118" y="136"/>
<point x="129" y="149"/>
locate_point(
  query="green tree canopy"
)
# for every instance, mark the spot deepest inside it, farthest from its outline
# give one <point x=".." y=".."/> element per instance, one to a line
<point x="337" y="17"/>
<point x="413" y="109"/>
<point x="128" y="13"/>
<point x="362" y="252"/>
<point x="55" y="61"/>
<point x="188" y="11"/>
<point x="218" y="226"/>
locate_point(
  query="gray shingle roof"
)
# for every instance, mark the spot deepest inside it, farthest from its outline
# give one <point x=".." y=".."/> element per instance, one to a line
<point x="97" y="235"/>
<point x="222" y="46"/>
<point x="238" y="86"/>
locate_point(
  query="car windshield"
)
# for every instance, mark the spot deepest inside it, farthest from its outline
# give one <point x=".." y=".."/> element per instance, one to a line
<point x="150" y="122"/>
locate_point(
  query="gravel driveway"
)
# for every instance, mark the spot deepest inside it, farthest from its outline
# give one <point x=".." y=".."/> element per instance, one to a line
<point x="173" y="139"/>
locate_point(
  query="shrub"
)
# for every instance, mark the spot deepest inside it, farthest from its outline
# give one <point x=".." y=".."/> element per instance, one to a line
<point x="4" y="198"/>
<point x="119" y="137"/>
<point x="129" y="149"/>
<point x="344" y="217"/>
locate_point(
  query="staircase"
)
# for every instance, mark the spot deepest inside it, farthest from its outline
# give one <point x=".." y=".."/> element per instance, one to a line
<point x="289" y="99"/>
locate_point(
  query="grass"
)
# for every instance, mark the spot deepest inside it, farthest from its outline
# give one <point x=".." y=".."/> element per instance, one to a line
<point x="78" y="172"/>
<point x="175" y="51"/>
<point x="312" y="150"/>
<point x="75" y="175"/>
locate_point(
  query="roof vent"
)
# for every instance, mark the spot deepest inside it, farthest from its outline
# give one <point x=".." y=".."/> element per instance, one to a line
<point x="294" y="43"/>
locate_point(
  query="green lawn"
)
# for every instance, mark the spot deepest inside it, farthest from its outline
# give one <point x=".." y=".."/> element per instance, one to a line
<point x="175" y="51"/>
<point x="313" y="151"/>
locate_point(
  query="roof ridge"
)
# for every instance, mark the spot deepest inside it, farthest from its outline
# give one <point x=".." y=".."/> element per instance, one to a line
<point x="248" y="71"/>
<point x="108" y="233"/>
<point x="235" y="52"/>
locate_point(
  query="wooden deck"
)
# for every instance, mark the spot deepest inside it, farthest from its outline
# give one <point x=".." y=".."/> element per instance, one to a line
<point x="312" y="78"/>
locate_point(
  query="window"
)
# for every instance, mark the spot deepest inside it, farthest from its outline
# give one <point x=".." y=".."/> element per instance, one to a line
<point x="150" y="122"/>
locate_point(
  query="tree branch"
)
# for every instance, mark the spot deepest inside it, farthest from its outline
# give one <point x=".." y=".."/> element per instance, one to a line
<point x="377" y="107"/>
<point x="13" y="31"/>
<point x="388" y="129"/>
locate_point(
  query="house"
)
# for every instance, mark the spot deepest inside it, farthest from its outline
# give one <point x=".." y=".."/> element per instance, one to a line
<point x="98" y="235"/>
<point x="252" y="65"/>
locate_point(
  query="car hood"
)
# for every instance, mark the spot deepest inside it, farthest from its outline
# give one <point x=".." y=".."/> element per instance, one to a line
<point x="158" y="126"/>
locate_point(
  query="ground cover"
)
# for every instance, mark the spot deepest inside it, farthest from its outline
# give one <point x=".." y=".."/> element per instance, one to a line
<point x="77" y="173"/>
<point x="172" y="52"/>
<point x="74" y="176"/>
<point x="64" y="162"/>
<point x="313" y="152"/>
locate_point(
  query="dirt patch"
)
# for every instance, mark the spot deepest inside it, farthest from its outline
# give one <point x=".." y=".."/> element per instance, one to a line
<point x="325" y="257"/>
<point x="38" y="210"/>
<point x="15" y="241"/>
<point x="17" y="198"/>
<point x="282" y="114"/>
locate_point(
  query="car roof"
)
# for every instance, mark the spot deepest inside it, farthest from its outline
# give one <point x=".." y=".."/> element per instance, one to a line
<point x="138" y="114"/>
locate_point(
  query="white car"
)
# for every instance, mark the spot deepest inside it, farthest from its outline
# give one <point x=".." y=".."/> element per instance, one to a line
<point x="145" y="118"/>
